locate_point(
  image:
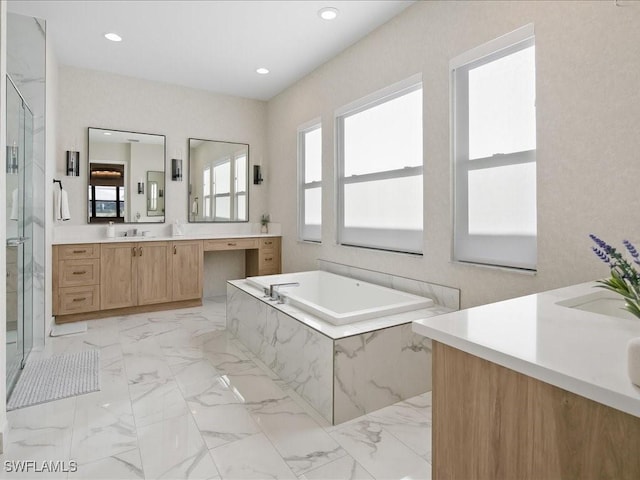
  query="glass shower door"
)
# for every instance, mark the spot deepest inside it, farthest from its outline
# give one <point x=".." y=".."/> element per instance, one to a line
<point x="19" y="201"/>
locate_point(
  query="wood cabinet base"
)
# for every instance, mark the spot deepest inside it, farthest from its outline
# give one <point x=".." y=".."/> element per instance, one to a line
<point x="490" y="422"/>
<point x="116" y="312"/>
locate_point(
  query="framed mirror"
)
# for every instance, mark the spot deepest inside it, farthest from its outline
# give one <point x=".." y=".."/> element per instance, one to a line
<point x="218" y="181"/>
<point x="124" y="168"/>
<point x="155" y="194"/>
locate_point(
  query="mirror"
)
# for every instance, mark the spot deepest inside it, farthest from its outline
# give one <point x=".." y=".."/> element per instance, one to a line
<point x="123" y="167"/>
<point x="155" y="194"/>
<point x="218" y="181"/>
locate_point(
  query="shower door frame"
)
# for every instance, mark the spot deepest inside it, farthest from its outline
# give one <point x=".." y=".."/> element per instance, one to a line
<point x="23" y="240"/>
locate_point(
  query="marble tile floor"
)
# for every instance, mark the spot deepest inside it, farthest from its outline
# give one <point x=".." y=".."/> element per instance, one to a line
<point x="181" y="398"/>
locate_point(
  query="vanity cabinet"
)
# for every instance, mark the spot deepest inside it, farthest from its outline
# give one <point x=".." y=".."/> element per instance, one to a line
<point x="96" y="280"/>
<point x="135" y="274"/>
<point x="186" y="262"/>
<point x="265" y="260"/>
<point x="76" y="278"/>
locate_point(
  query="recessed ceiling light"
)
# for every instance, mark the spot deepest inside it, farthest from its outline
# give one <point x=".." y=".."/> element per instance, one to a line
<point x="114" y="37"/>
<point x="107" y="133"/>
<point x="262" y="70"/>
<point x="328" y="13"/>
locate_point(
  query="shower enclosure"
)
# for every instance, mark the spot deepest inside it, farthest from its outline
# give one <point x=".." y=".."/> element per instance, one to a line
<point x="19" y="228"/>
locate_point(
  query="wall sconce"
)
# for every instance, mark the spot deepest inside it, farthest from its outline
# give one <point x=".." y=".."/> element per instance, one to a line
<point x="73" y="164"/>
<point x="257" y="175"/>
<point x="141" y="187"/>
<point x="12" y="159"/>
<point x="176" y="169"/>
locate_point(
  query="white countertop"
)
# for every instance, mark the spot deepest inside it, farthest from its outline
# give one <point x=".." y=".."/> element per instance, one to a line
<point x="151" y="238"/>
<point x="582" y="352"/>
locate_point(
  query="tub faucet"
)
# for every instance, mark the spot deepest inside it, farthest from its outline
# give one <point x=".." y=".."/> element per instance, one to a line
<point x="273" y="289"/>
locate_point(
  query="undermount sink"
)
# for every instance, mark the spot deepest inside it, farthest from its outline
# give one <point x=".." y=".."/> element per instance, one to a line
<point x="603" y="302"/>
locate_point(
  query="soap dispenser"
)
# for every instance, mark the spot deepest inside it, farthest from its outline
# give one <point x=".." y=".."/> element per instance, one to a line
<point x="111" y="230"/>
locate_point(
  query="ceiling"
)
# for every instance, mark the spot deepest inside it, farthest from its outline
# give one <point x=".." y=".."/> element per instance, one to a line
<point x="209" y="45"/>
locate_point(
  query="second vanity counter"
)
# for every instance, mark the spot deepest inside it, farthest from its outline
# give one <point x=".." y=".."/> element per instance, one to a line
<point x="579" y="351"/>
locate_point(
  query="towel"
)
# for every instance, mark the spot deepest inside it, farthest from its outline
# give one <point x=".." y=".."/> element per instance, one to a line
<point x="61" y="205"/>
<point x="14" y="204"/>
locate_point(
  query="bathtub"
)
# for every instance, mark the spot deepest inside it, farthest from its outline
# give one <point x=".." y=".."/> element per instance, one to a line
<point x="340" y="300"/>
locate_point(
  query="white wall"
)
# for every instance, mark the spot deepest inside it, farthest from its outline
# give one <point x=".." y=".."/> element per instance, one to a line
<point x="588" y="107"/>
<point x="95" y="99"/>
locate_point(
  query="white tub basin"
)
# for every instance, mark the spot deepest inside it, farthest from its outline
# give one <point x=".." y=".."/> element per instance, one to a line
<point x="340" y="300"/>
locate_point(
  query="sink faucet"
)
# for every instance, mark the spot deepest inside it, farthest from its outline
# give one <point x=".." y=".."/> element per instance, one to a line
<point x="273" y="289"/>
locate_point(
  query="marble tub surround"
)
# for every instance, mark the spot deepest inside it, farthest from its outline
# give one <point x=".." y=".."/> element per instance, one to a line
<point x="579" y="351"/>
<point x="342" y="371"/>
<point x="448" y="297"/>
<point x="211" y="410"/>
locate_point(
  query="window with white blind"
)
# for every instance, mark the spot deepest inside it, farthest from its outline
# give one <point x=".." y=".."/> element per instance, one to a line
<point x="494" y="152"/>
<point x="379" y="147"/>
<point x="310" y="182"/>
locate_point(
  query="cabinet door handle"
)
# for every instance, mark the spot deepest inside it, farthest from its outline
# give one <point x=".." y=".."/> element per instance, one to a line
<point x="140" y="250"/>
<point x="133" y="249"/>
<point x="175" y="250"/>
<point x="82" y="272"/>
<point x="81" y="299"/>
<point x="79" y="251"/>
<point x="268" y="259"/>
<point x="231" y="244"/>
<point x="268" y="243"/>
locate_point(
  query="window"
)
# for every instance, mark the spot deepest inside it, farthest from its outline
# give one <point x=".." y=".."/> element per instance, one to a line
<point x="310" y="182"/>
<point x="494" y="152"/>
<point x="380" y="169"/>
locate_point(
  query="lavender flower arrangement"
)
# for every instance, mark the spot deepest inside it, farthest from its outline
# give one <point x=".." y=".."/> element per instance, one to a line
<point x="625" y="279"/>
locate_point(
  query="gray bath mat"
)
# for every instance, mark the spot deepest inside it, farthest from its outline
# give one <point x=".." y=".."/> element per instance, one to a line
<point x="55" y="378"/>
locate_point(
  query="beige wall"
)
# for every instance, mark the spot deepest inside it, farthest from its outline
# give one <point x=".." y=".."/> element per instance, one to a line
<point x="588" y="109"/>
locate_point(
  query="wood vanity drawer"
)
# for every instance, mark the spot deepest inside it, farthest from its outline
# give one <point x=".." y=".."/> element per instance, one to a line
<point x="78" y="299"/>
<point x="78" y="251"/>
<point x="74" y="273"/>
<point x="269" y="244"/>
<point x="269" y="262"/>
<point x="231" y="244"/>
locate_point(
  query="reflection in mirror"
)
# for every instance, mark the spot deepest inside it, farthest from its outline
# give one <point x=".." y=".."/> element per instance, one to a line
<point x="218" y="181"/>
<point x="155" y="194"/>
<point x="118" y="161"/>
